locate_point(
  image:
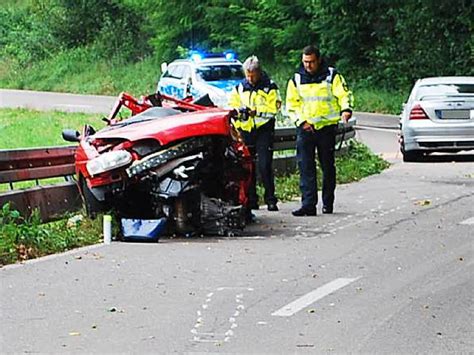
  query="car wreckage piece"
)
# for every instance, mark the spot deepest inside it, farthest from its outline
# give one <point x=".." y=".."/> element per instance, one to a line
<point x="172" y="161"/>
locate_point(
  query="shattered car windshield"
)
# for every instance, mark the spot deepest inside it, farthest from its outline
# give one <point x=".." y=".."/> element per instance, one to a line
<point x="220" y="72"/>
<point x="151" y="114"/>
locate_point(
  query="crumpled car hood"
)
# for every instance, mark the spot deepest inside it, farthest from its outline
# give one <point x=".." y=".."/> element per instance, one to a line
<point x="171" y="128"/>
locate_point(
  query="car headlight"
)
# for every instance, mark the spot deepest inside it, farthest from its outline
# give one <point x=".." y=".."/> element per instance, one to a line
<point x="108" y="161"/>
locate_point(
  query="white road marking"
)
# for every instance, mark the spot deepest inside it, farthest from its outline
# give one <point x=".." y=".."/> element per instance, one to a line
<point x="199" y="340"/>
<point x="313" y="296"/>
<point x="209" y="337"/>
<point x="377" y="129"/>
<point x="468" y="221"/>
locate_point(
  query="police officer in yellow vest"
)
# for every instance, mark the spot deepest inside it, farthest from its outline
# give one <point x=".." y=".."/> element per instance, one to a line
<point x="317" y="98"/>
<point x="260" y="97"/>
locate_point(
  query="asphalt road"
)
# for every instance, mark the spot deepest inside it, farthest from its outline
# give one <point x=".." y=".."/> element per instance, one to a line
<point x="389" y="272"/>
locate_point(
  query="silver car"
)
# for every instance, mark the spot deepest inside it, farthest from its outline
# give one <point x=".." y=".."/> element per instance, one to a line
<point x="438" y="117"/>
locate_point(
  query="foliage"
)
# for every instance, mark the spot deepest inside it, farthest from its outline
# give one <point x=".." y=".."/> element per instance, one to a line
<point x="24" y="38"/>
<point x="392" y="43"/>
<point x="90" y="46"/>
<point x="373" y="99"/>
<point x="359" y="162"/>
<point x="177" y="24"/>
<point x="26" y="238"/>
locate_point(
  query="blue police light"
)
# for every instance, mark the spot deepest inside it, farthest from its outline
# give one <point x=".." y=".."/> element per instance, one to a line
<point x="196" y="56"/>
<point x="229" y="55"/>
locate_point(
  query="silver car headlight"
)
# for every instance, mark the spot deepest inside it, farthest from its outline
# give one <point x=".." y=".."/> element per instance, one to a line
<point x="108" y="161"/>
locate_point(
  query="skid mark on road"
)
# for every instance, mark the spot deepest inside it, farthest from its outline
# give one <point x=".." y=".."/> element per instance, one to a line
<point x="332" y="227"/>
<point x="205" y="330"/>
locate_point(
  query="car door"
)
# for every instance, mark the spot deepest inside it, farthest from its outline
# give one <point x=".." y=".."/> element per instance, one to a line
<point x="171" y="83"/>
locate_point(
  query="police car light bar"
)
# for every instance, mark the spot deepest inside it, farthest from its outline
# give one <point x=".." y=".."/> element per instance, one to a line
<point x="196" y="56"/>
<point x="230" y="55"/>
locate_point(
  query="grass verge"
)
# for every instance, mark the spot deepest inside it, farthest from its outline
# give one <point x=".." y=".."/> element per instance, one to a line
<point x="21" y="128"/>
<point x="82" y="71"/>
<point x="27" y="238"/>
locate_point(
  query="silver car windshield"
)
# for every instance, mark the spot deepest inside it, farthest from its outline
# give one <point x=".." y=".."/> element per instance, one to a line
<point x="436" y="91"/>
<point x="220" y="72"/>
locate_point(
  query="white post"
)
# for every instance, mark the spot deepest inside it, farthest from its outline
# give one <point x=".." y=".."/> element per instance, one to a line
<point x="107" y="229"/>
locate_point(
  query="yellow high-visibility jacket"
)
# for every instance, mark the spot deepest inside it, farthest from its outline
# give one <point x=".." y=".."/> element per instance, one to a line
<point x="318" y="99"/>
<point x="264" y="98"/>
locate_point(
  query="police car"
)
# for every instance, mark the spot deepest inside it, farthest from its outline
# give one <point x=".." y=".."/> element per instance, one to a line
<point x="201" y="74"/>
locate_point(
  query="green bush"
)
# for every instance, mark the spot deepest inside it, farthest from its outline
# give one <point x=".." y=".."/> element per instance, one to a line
<point x="26" y="238"/>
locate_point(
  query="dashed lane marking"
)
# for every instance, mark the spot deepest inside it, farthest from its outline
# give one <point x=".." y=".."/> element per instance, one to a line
<point x="468" y="221"/>
<point x="313" y="296"/>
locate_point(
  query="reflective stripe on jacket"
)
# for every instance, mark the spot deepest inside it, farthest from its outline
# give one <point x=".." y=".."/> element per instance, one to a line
<point x="318" y="99"/>
<point x="264" y="98"/>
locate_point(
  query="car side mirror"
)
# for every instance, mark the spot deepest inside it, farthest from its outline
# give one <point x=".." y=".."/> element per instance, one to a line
<point x="71" y="135"/>
<point x="164" y="67"/>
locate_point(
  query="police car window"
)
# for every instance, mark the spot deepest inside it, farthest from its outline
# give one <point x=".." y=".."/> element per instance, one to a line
<point x="179" y="72"/>
<point x="172" y="72"/>
<point x="186" y="71"/>
<point x="220" y="72"/>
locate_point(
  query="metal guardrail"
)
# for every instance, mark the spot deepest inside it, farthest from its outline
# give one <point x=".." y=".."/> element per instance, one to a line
<point x="53" y="200"/>
<point x="39" y="163"/>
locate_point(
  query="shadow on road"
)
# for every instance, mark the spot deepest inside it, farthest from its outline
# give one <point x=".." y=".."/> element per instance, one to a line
<point x="268" y="225"/>
<point x="447" y="158"/>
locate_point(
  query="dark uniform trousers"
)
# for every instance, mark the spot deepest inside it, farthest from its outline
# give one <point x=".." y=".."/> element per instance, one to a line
<point x="324" y="140"/>
<point x="260" y="143"/>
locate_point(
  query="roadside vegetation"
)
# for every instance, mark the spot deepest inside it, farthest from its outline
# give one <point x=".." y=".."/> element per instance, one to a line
<point x="27" y="238"/>
<point x="22" y="128"/>
<point x="105" y="47"/>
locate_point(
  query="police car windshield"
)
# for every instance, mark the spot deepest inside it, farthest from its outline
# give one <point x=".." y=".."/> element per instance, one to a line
<point x="220" y="72"/>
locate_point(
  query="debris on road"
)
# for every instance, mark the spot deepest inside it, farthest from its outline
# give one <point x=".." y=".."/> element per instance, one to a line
<point x="423" y="202"/>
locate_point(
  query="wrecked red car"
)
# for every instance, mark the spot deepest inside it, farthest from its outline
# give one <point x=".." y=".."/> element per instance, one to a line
<point x="171" y="160"/>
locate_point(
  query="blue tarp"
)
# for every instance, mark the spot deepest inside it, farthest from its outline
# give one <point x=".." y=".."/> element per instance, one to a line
<point x="142" y="229"/>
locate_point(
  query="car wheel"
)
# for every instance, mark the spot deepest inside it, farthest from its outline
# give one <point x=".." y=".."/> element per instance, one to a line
<point x="92" y="205"/>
